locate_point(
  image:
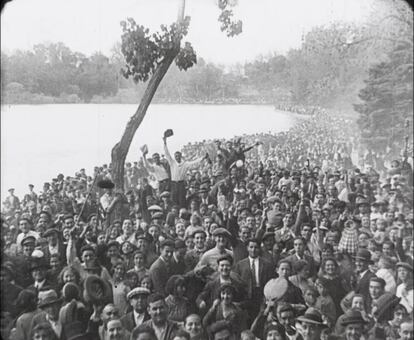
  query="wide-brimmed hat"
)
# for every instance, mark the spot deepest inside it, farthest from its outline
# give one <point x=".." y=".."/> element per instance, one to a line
<point x="313" y="316"/>
<point x="353" y="316"/>
<point x="138" y="291"/>
<point x="385" y="305"/>
<point x="39" y="263"/>
<point x="275" y="289"/>
<point x="47" y="298"/>
<point x="96" y="290"/>
<point x="364" y="255"/>
<point x="106" y="184"/>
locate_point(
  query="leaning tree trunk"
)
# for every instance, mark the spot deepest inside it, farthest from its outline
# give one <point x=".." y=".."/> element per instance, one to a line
<point x="120" y="150"/>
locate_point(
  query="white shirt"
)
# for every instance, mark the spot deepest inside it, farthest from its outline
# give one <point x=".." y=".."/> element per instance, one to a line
<point x="256" y="267"/>
<point x="53" y="249"/>
<point x="106" y="200"/>
<point x="22" y="235"/>
<point x="139" y="318"/>
<point x="179" y="170"/>
<point x="39" y="285"/>
<point x="157" y="170"/>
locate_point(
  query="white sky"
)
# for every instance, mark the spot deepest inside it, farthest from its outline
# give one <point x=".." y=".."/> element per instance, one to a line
<point x="88" y="26"/>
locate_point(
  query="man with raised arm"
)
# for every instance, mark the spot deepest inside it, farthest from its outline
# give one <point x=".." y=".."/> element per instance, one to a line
<point x="179" y="168"/>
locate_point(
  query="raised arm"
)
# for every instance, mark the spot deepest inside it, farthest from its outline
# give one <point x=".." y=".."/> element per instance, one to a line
<point x="167" y="152"/>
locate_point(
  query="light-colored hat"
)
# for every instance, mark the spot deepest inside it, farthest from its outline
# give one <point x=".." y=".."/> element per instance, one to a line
<point x="138" y="291"/>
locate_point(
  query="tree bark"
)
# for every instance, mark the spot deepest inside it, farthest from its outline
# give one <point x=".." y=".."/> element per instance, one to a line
<point x="120" y="150"/>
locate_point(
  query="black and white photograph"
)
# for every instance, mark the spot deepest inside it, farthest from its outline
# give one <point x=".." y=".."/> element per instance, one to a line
<point x="206" y="170"/>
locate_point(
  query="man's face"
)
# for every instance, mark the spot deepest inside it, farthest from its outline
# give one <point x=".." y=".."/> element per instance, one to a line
<point x="253" y="249"/>
<point x="167" y="252"/>
<point x="39" y="274"/>
<point x="244" y="234"/>
<point x="310" y="331"/>
<point x="193" y="325"/>
<point x="287" y="319"/>
<point x="224" y="268"/>
<point x="28" y="249"/>
<point x="127" y="227"/>
<point x="199" y="240"/>
<point x="375" y="290"/>
<point x="109" y="312"/>
<point x="52" y="311"/>
<point x="158" y="312"/>
<point x="360" y="266"/>
<point x="177" y="157"/>
<point x="358" y="303"/>
<point x="139" y="303"/>
<point x="353" y="331"/>
<point x="406" y="331"/>
<point x="24" y="226"/>
<point x="88" y="256"/>
<point x="52" y="239"/>
<point x="114" y="330"/>
<point x="221" y="241"/>
<point x="299" y="247"/>
<point x="306" y="232"/>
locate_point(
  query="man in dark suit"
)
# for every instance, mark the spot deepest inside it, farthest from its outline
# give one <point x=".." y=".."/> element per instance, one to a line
<point x="38" y="268"/>
<point x="160" y="269"/>
<point x="255" y="272"/>
<point x="364" y="275"/>
<point x="54" y="245"/>
<point x="299" y="254"/>
<point x="138" y="300"/>
<point x="49" y="304"/>
<point x="178" y="266"/>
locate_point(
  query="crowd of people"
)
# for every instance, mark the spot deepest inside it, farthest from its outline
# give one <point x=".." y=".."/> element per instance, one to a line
<point x="294" y="235"/>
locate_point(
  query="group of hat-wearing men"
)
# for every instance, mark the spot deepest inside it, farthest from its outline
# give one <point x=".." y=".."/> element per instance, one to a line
<point x="275" y="237"/>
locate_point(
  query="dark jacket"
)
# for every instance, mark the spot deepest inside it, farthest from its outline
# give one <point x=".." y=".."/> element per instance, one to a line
<point x="159" y="274"/>
<point x="243" y="269"/>
<point x="129" y="322"/>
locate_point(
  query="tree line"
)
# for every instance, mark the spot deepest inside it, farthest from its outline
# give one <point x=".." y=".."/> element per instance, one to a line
<point x="364" y="68"/>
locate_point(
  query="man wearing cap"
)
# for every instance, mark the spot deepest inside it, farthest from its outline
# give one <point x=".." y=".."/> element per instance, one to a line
<point x="160" y="270"/>
<point x="311" y="324"/>
<point x="11" y="202"/>
<point x="139" y="314"/>
<point x="54" y="245"/>
<point x="38" y="268"/>
<point x="25" y="226"/>
<point x="177" y="266"/>
<point x="221" y="237"/>
<point x="362" y="260"/>
<point x="354" y="324"/>
<point x="49" y="304"/>
<point x="23" y="275"/>
<point x="179" y="170"/>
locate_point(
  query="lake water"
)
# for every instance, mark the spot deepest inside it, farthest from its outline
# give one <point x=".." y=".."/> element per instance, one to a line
<point x="40" y="141"/>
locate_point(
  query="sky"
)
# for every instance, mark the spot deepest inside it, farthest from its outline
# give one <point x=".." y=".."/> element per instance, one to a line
<point x="89" y="26"/>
